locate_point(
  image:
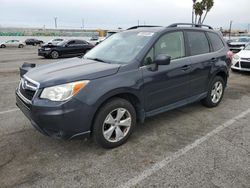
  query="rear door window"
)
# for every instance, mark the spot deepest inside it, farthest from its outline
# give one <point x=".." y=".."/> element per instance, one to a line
<point x="198" y="43"/>
<point x="80" y="42"/>
<point x="216" y="41"/>
<point x="71" y="43"/>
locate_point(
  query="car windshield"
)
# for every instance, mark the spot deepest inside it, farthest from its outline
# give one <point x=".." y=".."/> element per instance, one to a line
<point x="62" y="43"/>
<point x="241" y="40"/>
<point x="120" y="48"/>
<point x="247" y="47"/>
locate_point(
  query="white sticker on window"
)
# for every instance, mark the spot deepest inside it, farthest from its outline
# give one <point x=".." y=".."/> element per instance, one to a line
<point x="145" y="34"/>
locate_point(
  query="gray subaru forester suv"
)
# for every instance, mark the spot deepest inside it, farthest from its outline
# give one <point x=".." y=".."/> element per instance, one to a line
<point x="130" y="76"/>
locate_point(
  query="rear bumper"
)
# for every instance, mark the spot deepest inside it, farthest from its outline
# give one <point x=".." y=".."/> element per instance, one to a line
<point x="67" y="120"/>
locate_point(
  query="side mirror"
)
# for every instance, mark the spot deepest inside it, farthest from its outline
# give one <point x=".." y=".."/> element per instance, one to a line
<point x="242" y="48"/>
<point x="66" y="45"/>
<point x="162" y="59"/>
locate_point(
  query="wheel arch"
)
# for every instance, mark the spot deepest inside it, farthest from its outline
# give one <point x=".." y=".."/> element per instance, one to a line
<point x="222" y="73"/>
<point x="129" y="96"/>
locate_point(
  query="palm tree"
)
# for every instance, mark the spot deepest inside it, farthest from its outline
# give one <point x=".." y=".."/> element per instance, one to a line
<point x="194" y="1"/>
<point x="208" y="6"/>
<point x="198" y="9"/>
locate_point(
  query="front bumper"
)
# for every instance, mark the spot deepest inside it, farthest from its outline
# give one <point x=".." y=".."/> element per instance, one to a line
<point x="68" y="120"/>
<point x="43" y="53"/>
<point x="241" y="65"/>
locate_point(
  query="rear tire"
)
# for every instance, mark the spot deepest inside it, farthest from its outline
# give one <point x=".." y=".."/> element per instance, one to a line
<point x="54" y="54"/>
<point x="20" y="46"/>
<point x="215" y="92"/>
<point x="114" y="123"/>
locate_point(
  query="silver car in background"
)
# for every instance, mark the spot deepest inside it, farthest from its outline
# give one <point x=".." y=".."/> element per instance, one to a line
<point x="12" y="43"/>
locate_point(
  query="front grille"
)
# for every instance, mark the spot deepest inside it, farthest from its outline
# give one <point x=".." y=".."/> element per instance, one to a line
<point x="28" y="94"/>
<point x="245" y="64"/>
<point x="27" y="88"/>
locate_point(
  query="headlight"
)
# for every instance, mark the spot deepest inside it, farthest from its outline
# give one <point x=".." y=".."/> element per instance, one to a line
<point x="236" y="57"/>
<point x="47" y="48"/>
<point x="63" y="92"/>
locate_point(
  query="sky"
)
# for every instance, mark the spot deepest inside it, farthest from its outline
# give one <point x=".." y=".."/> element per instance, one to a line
<point x="117" y="13"/>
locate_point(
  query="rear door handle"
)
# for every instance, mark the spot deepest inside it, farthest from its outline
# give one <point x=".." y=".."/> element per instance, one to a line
<point x="186" y="67"/>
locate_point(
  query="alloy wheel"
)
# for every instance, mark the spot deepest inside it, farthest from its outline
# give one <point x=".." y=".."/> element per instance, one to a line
<point x="117" y="125"/>
<point x="217" y="92"/>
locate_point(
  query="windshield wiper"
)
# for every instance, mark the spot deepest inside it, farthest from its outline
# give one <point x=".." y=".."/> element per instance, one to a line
<point x="97" y="59"/>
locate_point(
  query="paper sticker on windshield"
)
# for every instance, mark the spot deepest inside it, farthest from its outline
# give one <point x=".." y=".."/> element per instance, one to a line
<point x="145" y="34"/>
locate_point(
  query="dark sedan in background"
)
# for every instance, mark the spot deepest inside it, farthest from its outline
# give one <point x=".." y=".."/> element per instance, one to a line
<point x="68" y="48"/>
<point x="33" y="42"/>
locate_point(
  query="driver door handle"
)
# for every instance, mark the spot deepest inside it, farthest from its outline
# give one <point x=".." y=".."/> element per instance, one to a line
<point x="186" y="67"/>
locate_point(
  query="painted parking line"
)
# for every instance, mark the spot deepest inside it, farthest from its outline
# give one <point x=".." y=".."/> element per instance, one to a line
<point x="9" y="111"/>
<point x="9" y="82"/>
<point x="159" y="165"/>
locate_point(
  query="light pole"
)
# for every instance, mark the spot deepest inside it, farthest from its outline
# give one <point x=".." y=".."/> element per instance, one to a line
<point x="55" y="22"/>
<point x="230" y="29"/>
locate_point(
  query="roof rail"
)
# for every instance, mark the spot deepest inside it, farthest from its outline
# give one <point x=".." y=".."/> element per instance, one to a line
<point x="193" y="25"/>
<point x="141" y="26"/>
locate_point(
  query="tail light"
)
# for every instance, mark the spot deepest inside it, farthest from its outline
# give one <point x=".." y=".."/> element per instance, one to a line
<point x="230" y="55"/>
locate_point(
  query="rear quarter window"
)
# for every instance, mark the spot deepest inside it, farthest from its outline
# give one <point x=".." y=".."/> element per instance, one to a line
<point x="216" y="41"/>
<point x="197" y="43"/>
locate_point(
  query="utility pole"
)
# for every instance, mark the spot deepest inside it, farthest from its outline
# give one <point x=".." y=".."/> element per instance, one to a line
<point x="55" y="18"/>
<point x="138" y="22"/>
<point x="230" y="29"/>
<point x="82" y="23"/>
<point x="248" y="28"/>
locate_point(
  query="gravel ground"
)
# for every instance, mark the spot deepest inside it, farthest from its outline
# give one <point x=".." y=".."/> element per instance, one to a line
<point x="192" y="146"/>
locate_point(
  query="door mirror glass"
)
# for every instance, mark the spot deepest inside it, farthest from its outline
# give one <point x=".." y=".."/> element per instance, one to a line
<point x="162" y="59"/>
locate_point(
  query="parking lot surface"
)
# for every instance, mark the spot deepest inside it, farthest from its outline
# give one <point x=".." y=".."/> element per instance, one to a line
<point x="192" y="146"/>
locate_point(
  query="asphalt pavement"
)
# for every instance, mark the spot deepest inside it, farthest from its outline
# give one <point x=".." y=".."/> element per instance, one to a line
<point x="192" y="146"/>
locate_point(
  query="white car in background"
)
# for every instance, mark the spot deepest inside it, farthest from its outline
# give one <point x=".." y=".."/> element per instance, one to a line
<point x="94" y="40"/>
<point x="12" y="43"/>
<point x="55" y="41"/>
<point x="241" y="60"/>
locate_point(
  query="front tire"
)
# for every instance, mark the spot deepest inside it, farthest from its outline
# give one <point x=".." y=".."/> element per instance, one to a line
<point x="114" y="123"/>
<point x="20" y="46"/>
<point x="215" y="92"/>
<point x="54" y="54"/>
<point x="3" y="46"/>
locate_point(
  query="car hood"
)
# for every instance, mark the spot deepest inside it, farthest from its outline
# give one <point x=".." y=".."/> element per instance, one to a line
<point x="70" y="70"/>
<point x="244" y="54"/>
